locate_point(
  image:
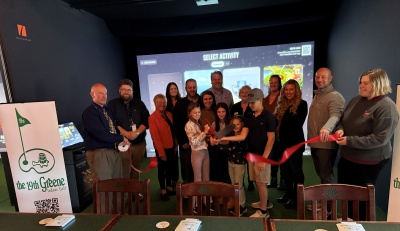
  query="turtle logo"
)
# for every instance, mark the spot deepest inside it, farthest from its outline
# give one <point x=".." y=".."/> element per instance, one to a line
<point x="37" y="159"/>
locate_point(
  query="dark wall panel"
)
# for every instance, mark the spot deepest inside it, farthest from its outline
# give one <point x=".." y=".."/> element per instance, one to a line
<point x="366" y="35"/>
<point x="63" y="53"/>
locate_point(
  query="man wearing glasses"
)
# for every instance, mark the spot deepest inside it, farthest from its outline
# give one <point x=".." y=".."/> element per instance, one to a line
<point x="132" y="117"/>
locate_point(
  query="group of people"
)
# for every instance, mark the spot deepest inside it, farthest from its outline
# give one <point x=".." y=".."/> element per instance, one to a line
<point x="114" y="132"/>
<point x="263" y="126"/>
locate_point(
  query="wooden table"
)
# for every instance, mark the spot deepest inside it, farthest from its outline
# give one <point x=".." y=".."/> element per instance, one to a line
<point x="30" y="221"/>
<point x="311" y="225"/>
<point x="148" y="223"/>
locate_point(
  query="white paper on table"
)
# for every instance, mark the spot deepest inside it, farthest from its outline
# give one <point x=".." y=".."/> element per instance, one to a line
<point x="189" y="224"/>
<point x="61" y="220"/>
<point x="350" y="226"/>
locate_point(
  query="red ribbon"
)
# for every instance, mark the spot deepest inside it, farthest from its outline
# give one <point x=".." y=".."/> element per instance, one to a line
<point x="251" y="157"/>
<point x="153" y="163"/>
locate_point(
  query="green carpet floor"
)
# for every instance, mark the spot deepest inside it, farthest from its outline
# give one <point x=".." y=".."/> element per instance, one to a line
<point x="168" y="207"/>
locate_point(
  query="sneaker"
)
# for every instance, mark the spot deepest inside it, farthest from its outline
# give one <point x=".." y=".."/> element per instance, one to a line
<point x="242" y="210"/>
<point x="211" y="206"/>
<point x="309" y="207"/>
<point x="256" y="205"/>
<point x="259" y="214"/>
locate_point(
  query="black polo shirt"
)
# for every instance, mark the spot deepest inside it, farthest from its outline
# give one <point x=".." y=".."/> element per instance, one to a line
<point x="258" y="128"/>
<point x="136" y="112"/>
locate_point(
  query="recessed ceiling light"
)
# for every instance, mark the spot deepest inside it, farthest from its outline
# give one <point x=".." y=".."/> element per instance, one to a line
<point x="206" y="2"/>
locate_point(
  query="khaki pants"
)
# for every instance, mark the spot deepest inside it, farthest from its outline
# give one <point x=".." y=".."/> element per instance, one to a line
<point x="134" y="156"/>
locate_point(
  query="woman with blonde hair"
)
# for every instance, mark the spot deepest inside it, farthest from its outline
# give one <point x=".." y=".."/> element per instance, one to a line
<point x="163" y="136"/>
<point x="365" y="129"/>
<point x="291" y="113"/>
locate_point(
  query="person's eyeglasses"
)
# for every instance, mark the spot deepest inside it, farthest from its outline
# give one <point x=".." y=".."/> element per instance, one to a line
<point x="124" y="89"/>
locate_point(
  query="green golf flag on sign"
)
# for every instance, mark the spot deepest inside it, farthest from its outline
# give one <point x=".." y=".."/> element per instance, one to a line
<point x="21" y="120"/>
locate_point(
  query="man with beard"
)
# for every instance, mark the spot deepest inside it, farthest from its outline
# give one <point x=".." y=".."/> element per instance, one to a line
<point x="180" y="118"/>
<point x="132" y="117"/>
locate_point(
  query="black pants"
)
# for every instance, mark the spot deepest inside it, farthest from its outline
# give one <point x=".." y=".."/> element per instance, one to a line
<point x="167" y="169"/>
<point x="292" y="172"/>
<point x="275" y="155"/>
<point x="324" y="159"/>
<point x="219" y="165"/>
<point x="358" y="174"/>
<point x="186" y="164"/>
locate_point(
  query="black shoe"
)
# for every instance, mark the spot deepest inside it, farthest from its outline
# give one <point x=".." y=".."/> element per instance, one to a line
<point x="251" y="186"/>
<point x="273" y="183"/>
<point x="290" y="204"/>
<point x="285" y="198"/>
<point x="171" y="192"/>
<point x="281" y="186"/>
<point x="164" y="197"/>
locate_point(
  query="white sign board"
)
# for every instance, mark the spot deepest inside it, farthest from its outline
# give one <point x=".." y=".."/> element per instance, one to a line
<point x="394" y="194"/>
<point x="36" y="157"/>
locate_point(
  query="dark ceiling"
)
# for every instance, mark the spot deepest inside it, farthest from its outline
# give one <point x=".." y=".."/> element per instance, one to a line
<point x="149" y="18"/>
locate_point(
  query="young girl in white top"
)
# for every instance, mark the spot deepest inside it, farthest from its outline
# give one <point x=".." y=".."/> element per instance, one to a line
<point x="197" y="135"/>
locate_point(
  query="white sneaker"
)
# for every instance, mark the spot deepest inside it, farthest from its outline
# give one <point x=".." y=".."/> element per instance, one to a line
<point x="256" y="205"/>
<point x="259" y="214"/>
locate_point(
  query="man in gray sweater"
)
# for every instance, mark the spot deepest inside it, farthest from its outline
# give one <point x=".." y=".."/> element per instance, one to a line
<point x="324" y="113"/>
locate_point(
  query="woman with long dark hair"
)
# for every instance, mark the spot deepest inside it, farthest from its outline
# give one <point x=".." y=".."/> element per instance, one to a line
<point x="173" y="95"/>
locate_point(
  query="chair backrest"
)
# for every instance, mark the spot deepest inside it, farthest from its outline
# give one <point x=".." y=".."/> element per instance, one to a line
<point x="115" y="196"/>
<point x="329" y="194"/>
<point x="202" y="192"/>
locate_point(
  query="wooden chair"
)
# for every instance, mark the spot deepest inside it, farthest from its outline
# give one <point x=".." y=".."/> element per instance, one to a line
<point x="107" y="196"/>
<point x="205" y="191"/>
<point x="330" y="194"/>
